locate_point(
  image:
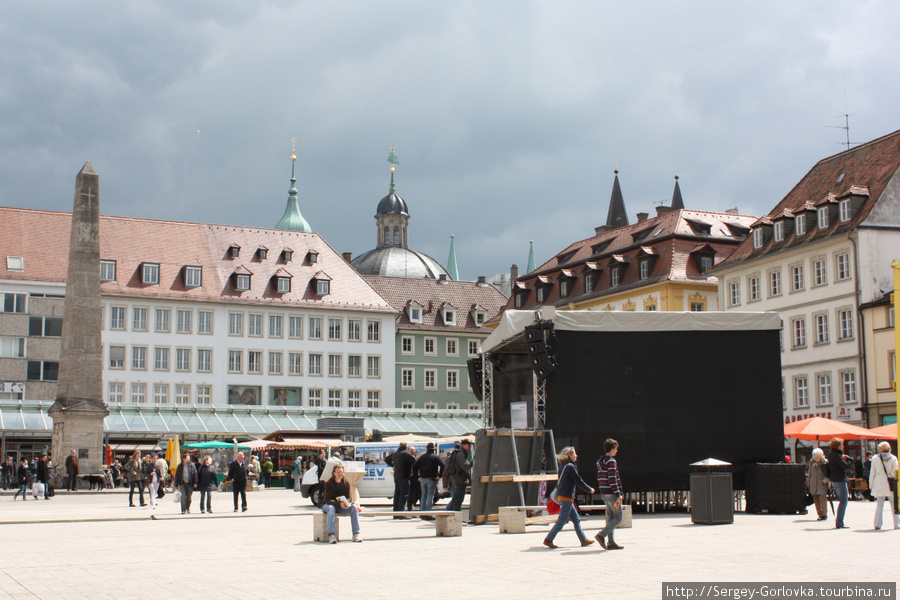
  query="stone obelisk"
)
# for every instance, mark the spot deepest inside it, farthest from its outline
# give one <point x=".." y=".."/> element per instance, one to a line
<point x="79" y="410"/>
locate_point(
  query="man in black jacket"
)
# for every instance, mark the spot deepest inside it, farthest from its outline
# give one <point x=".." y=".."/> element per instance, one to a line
<point x="186" y="478"/>
<point x="238" y="474"/>
<point x="402" y="463"/>
<point x="428" y="468"/>
<point x="43" y="474"/>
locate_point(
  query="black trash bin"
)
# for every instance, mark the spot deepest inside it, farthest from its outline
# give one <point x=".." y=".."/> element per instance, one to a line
<point x="712" y="493"/>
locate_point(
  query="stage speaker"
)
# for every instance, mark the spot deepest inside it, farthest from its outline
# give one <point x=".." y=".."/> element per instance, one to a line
<point x="541" y="362"/>
<point x="476" y="376"/>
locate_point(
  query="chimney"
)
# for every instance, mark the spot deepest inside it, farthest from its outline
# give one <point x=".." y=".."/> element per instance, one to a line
<point x="442" y="278"/>
<point x="481" y="281"/>
<point x="601" y="229"/>
<point x="641" y="217"/>
<point x="733" y="211"/>
<point x="347" y="256"/>
<point x="513" y="273"/>
<point x="661" y="210"/>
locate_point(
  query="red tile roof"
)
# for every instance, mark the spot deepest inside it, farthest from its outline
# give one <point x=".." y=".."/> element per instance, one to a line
<point x="42" y="239"/>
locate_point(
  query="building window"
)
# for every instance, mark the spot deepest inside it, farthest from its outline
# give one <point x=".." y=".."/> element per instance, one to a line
<point x="374" y="399"/>
<point x="162" y="320"/>
<point x="138" y="393"/>
<point x="650" y="307"/>
<point x="698" y="307"/>
<point x="644" y="269"/>
<point x="753" y="286"/>
<point x="254" y="325"/>
<point x="800" y="224"/>
<point x="183" y="320"/>
<point x="354" y="330"/>
<point x="295" y="363"/>
<point x="235" y="359"/>
<point x="473" y="347"/>
<point x="193" y="277"/>
<point x="842" y="268"/>
<point x="779" y="231"/>
<point x="823" y="385"/>
<point x="563" y="289"/>
<point x="117" y="317"/>
<point x="820" y="276"/>
<point x="45" y="326"/>
<point x="734" y="293"/>
<point x="204" y="394"/>
<point x="116" y="392"/>
<point x="407" y="379"/>
<point x="845" y="322"/>
<point x="407" y="405"/>
<point x="139" y="357"/>
<point x="334" y="398"/>
<point x="335" y="365"/>
<point x="452" y="381"/>
<point x="323" y="287"/>
<point x="373" y="367"/>
<point x="150" y="273"/>
<point x="890" y="317"/>
<point x="798" y="329"/>
<point x="353" y="399"/>
<point x="822" y="214"/>
<point x="415" y="314"/>
<point x="295" y="327"/>
<point x="160" y="359"/>
<point x="452" y="406"/>
<point x="315" y="397"/>
<point x="354" y="365"/>
<point x="235" y="250"/>
<point x="275" y="362"/>
<point x="117" y="357"/>
<point x="182" y="393"/>
<point x="519" y="300"/>
<point x="204" y="360"/>
<point x="774" y="283"/>
<point x="588" y="283"/>
<point x="822" y="328"/>
<point x="235" y="324"/>
<point x="254" y="362"/>
<point x="848" y="387"/>
<point x="107" y="270"/>
<point x="706" y="263"/>
<point x="430" y="406"/>
<point x="801" y="392"/>
<point x="757" y="238"/>
<point x="430" y="379"/>
<point x="452" y="347"/>
<point x="161" y="393"/>
<point x="204" y="321"/>
<point x="315" y="328"/>
<point x="283" y="285"/>
<point x="844" y="210"/>
<point x="797" y="283"/>
<point x="242" y="282"/>
<point x="539" y="295"/>
<point x="374" y="331"/>
<point x="315" y="364"/>
<point x="334" y="329"/>
<point x="42" y="370"/>
<point x="12" y="347"/>
<point x="406" y="345"/>
<point x="276" y="326"/>
<point x="182" y="359"/>
<point x="614" y="277"/>
<point x="430" y="346"/>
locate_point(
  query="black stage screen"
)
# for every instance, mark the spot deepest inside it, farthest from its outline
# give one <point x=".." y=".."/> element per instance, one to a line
<point x="670" y="398"/>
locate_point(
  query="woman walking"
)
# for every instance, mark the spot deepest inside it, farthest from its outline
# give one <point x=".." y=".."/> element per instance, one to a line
<point x="23" y="476"/>
<point x="838" y="463"/>
<point x="817" y="483"/>
<point x="568" y="480"/>
<point x="207" y="482"/>
<point x="881" y="474"/>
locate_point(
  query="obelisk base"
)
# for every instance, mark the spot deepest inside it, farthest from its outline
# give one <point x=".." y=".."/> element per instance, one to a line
<point x="78" y="425"/>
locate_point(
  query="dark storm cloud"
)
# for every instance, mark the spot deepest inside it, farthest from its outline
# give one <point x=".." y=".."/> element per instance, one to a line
<point x="508" y="117"/>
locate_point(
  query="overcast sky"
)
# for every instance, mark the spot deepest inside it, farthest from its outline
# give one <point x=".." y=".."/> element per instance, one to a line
<point x="507" y="117"/>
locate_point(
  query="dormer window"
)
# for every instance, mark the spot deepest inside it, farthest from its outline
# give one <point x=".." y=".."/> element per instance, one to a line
<point x="800" y="225"/>
<point x="588" y="283"/>
<point x="287" y="254"/>
<point x="644" y="268"/>
<point x="193" y="277"/>
<point x="646" y="259"/>
<point x="263" y="252"/>
<point x="564" y="288"/>
<point x="699" y="227"/>
<point x="844" y="210"/>
<point x="150" y="273"/>
<point x="565" y="257"/>
<point x="449" y="315"/>
<point x="478" y="315"/>
<point x="615" y="276"/>
<point x="234" y="251"/>
<point x="704" y="257"/>
<point x="414" y="311"/>
<point x="283" y="284"/>
<point x="323" y="284"/>
<point x="107" y="270"/>
<point x="758" y="238"/>
<point x="598" y="248"/>
<point x="242" y="279"/>
<point x="706" y="263"/>
<point x="779" y="231"/>
<point x="313" y="257"/>
<point x="822" y="215"/>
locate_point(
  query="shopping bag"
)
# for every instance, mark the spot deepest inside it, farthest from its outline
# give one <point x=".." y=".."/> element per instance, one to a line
<point x="38" y="489"/>
<point x="176" y="497"/>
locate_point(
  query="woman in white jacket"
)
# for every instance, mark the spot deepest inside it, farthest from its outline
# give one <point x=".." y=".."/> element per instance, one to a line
<point x="883" y="469"/>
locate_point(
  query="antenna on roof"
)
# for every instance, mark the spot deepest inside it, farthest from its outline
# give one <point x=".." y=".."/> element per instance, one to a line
<point x="846" y="125"/>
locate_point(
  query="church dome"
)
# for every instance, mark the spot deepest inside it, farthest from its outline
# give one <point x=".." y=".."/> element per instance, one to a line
<point x="392" y="204"/>
<point x="394" y="261"/>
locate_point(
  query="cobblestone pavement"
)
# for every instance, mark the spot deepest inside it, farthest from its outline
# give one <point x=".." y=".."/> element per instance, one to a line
<point x="92" y="546"/>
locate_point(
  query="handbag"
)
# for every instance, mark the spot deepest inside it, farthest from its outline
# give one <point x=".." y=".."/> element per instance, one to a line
<point x="809" y="499"/>
<point x="892" y="483"/>
<point x="161" y="490"/>
<point x="176" y="496"/>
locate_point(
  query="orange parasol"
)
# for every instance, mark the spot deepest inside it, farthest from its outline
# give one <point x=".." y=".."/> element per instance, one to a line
<point x="885" y="432"/>
<point x="820" y="428"/>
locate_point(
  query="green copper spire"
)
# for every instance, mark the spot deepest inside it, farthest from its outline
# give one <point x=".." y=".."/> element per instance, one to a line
<point x="451" y="262"/>
<point x="531" y="266"/>
<point x="292" y="220"/>
<point x="392" y="158"/>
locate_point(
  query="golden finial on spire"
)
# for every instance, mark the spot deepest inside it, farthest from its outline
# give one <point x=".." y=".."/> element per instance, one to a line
<point x="293" y="149"/>
<point x="392" y="158"/>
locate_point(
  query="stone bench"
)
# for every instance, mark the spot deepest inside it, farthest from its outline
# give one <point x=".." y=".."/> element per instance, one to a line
<point x="447" y="523"/>
<point x="514" y="519"/>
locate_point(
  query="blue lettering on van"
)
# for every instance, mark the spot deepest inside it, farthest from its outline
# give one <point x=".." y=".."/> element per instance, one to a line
<point x="374" y="472"/>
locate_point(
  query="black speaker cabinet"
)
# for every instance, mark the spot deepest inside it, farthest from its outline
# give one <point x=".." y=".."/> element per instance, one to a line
<point x="712" y="498"/>
<point x="775" y="488"/>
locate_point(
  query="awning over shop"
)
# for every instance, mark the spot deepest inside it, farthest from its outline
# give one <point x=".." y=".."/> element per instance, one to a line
<point x="130" y="448"/>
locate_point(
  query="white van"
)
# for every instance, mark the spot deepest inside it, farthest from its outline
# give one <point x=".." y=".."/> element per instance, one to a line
<point x="378" y="482"/>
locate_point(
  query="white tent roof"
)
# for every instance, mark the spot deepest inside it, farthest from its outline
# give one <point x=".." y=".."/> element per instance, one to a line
<point x="513" y="322"/>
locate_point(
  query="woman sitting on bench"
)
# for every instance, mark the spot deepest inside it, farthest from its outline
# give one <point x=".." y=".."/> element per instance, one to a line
<point x="337" y="500"/>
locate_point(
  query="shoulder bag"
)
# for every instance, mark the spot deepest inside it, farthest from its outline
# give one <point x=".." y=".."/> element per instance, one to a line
<point x="892" y="483"/>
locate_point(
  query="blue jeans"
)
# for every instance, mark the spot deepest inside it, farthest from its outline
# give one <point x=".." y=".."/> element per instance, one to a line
<point x="206" y="495"/>
<point x="567" y="511"/>
<point x="457" y="493"/>
<point x="23" y="490"/>
<point x="187" y="491"/>
<point x="140" y="486"/>
<point x="401" y="492"/>
<point x="330" y="509"/>
<point x="613" y="516"/>
<point x="843" y="496"/>
<point x="429" y="485"/>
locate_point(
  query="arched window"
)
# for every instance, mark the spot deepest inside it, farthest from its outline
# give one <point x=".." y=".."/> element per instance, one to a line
<point x="405" y="243"/>
<point x="396" y="235"/>
<point x="387" y="235"/>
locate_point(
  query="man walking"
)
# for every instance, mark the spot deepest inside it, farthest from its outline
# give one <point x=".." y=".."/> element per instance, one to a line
<point x="186" y="477"/>
<point x="238" y="474"/>
<point x="402" y="463"/>
<point x="610" y="487"/>
<point x="43" y="474"/>
<point x="72" y="471"/>
<point x="459" y="466"/>
<point x="428" y="468"/>
<point x="297" y="472"/>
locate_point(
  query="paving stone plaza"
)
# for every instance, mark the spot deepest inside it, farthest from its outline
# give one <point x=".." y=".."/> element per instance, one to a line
<point x="92" y="546"/>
